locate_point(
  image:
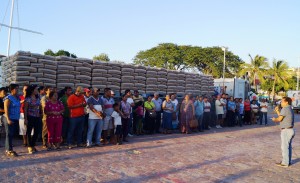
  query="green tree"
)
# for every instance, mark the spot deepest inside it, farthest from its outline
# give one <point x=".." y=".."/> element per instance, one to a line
<point x="60" y="53"/>
<point x="279" y="73"/>
<point x="49" y="52"/>
<point x="103" y="57"/>
<point x="256" y="69"/>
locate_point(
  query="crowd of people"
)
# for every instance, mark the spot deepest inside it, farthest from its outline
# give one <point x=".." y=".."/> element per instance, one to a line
<point x="83" y="118"/>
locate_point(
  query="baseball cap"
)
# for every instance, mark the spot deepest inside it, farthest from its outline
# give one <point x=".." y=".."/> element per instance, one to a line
<point x="86" y="90"/>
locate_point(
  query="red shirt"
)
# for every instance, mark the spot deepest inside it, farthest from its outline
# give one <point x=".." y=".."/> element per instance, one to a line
<point x="75" y="100"/>
<point x="247" y="106"/>
<point x="22" y="104"/>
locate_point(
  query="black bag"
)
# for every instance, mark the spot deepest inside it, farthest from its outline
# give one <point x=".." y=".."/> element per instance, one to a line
<point x="152" y="114"/>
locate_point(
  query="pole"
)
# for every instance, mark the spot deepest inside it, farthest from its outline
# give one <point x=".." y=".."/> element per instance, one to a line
<point x="224" y="49"/>
<point x="297" y="79"/>
<point x="9" y="31"/>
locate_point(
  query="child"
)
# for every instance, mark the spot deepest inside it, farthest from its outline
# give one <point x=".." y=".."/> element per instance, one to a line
<point x="139" y="115"/>
<point x="117" y="123"/>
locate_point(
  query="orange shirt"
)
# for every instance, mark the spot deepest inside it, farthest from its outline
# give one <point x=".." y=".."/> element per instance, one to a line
<point x="75" y="100"/>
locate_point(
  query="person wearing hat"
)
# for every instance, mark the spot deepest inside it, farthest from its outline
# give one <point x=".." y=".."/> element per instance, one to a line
<point x="76" y="104"/>
<point x="158" y="104"/>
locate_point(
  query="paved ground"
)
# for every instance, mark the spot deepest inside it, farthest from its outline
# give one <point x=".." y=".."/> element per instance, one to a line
<point x="246" y="154"/>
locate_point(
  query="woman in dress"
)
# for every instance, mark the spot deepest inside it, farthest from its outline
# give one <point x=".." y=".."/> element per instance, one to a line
<point x="54" y="110"/>
<point x="187" y="113"/>
<point x="32" y="116"/>
<point x="168" y="108"/>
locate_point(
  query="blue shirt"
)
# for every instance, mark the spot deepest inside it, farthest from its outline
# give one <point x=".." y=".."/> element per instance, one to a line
<point x="199" y="107"/>
<point x="231" y="105"/>
<point x="14" y="107"/>
<point x="157" y="104"/>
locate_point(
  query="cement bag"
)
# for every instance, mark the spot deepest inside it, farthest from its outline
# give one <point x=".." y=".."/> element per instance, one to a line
<point x="64" y="72"/>
<point x="77" y="64"/>
<point x="65" y="62"/>
<point x="83" y="85"/>
<point x="127" y="85"/>
<point x="59" y="58"/>
<point x="49" y="76"/>
<point x="48" y="71"/>
<point x="83" y="77"/>
<point x="37" y="83"/>
<point x="48" y="57"/>
<point x="62" y="85"/>
<point x="52" y="67"/>
<point x="127" y="78"/>
<point x="114" y="72"/>
<point x="50" y="84"/>
<point x="22" y="53"/>
<point x="99" y="71"/>
<point x="46" y="80"/>
<point x="83" y="69"/>
<point x="20" y="73"/>
<point x="86" y="73"/>
<point x="36" y="55"/>
<point x="21" y="63"/>
<point x="139" y="85"/>
<point x="24" y="68"/>
<point x="140" y="78"/>
<point x="65" y="67"/>
<point x="62" y="80"/>
<point x="49" y="62"/>
<point x="101" y="87"/>
<point x="21" y="83"/>
<point x="37" y="75"/>
<point x="25" y="58"/>
<point x="84" y="60"/>
<point x="140" y="71"/>
<point x="65" y="76"/>
<point x="115" y="80"/>
<point x="162" y="79"/>
<point x="99" y="78"/>
<point x="97" y="75"/>
<point x="75" y="73"/>
<point x="130" y="70"/>
<point x="23" y="78"/>
<point x="85" y="64"/>
<point x="37" y="65"/>
<point x="99" y="82"/>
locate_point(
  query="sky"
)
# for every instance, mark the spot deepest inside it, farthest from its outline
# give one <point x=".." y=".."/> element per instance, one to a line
<point x="122" y="28"/>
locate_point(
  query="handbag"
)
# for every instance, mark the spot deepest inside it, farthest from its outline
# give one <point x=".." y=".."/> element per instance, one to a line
<point x="194" y="123"/>
<point x="152" y="114"/>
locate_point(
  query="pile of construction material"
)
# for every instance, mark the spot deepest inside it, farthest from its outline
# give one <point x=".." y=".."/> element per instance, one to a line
<point x="30" y="68"/>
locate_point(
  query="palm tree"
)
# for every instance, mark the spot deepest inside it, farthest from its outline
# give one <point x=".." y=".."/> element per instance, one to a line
<point x="256" y="69"/>
<point x="279" y="73"/>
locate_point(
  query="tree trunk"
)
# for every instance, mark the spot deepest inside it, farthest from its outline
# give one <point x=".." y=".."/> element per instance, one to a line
<point x="254" y="83"/>
<point x="273" y="89"/>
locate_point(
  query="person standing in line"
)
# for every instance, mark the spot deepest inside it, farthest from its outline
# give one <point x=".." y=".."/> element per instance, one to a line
<point x="32" y="116"/>
<point x="11" y="117"/>
<point x="117" y="123"/>
<point x="66" y="115"/>
<point x="241" y="112"/>
<point x="132" y="120"/>
<point x="206" y="114"/>
<point x="247" y="109"/>
<point x="213" y="114"/>
<point x="149" y="120"/>
<point x="139" y="115"/>
<point x="231" y="112"/>
<point x="22" y="126"/>
<point x="254" y="111"/>
<point x="87" y="95"/>
<point x="3" y="93"/>
<point x="44" y="100"/>
<point x="187" y="113"/>
<point x="224" y="102"/>
<point x="219" y="111"/>
<point x="126" y="111"/>
<point x="199" y="110"/>
<point x="95" y="118"/>
<point x="42" y="91"/>
<point x="176" y="110"/>
<point x="54" y="110"/>
<point x="286" y="120"/>
<point x="264" y="111"/>
<point x="107" y="102"/>
<point x="76" y="104"/>
<point x="136" y="99"/>
<point x="158" y="103"/>
<point x="168" y="109"/>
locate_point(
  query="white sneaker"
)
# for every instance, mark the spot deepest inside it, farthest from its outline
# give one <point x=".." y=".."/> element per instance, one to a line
<point x="220" y="126"/>
<point x="209" y="127"/>
<point x="130" y="135"/>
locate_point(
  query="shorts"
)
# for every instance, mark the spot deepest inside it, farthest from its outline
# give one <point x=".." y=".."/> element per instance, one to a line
<point x="22" y="126"/>
<point x="224" y="115"/>
<point x="220" y="116"/>
<point x="118" y="130"/>
<point x="107" y="123"/>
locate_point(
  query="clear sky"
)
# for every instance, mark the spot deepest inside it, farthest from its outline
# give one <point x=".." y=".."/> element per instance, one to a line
<point x="121" y="28"/>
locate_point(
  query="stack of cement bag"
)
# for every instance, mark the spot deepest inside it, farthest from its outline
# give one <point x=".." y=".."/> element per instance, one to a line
<point x="66" y="72"/>
<point x="162" y="80"/>
<point x="83" y="72"/>
<point x="127" y="77"/>
<point x="140" y="78"/>
<point x="207" y="85"/>
<point x="99" y="74"/>
<point x="180" y="83"/>
<point x="172" y="83"/>
<point x="113" y="76"/>
<point x="151" y="81"/>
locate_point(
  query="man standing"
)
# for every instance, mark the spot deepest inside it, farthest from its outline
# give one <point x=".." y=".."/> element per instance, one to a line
<point x="286" y="120"/>
<point x="224" y="102"/>
<point x="219" y="111"/>
<point x="87" y="95"/>
<point x="136" y="99"/>
<point x="264" y="111"/>
<point x="76" y="104"/>
<point x="199" y="107"/>
<point x="206" y="114"/>
<point x="44" y="100"/>
<point x="107" y="102"/>
<point x="158" y="103"/>
<point x="131" y="124"/>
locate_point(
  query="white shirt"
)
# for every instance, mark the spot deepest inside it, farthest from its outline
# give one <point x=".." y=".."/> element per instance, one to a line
<point x="254" y="107"/>
<point x="130" y="101"/>
<point x="117" y="118"/>
<point x="97" y="106"/>
<point x="263" y="105"/>
<point x="175" y="102"/>
<point x="219" y="109"/>
<point x="207" y="107"/>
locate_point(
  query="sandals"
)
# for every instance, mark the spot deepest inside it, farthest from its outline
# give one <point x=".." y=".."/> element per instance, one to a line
<point x="11" y="153"/>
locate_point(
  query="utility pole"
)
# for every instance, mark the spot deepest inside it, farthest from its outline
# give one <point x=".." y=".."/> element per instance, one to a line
<point x="10" y="26"/>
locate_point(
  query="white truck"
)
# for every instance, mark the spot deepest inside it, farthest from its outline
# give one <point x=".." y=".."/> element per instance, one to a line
<point x="238" y="88"/>
<point x="295" y="96"/>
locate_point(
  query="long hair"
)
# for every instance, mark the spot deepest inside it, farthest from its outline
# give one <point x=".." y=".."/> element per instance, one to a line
<point x="29" y="91"/>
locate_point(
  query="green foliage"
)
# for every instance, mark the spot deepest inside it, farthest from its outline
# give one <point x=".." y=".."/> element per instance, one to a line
<point x="103" y="57"/>
<point x="60" y="53"/>
<point x="208" y="60"/>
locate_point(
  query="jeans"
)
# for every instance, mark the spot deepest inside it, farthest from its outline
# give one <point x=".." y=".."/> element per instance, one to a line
<point x="33" y="123"/>
<point x="200" y="122"/>
<point x="76" y="124"/>
<point x="206" y="120"/>
<point x="125" y="125"/>
<point x="85" y="128"/>
<point x="157" y="121"/>
<point x="263" y="114"/>
<point x="94" y="125"/>
<point x="65" y="127"/>
<point x="287" y="136"/>
<point x="10" y="131"/>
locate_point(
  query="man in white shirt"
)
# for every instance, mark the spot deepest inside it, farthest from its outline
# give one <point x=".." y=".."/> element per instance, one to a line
<point x="219" y="111"/>
<point x="131" y="102"/>
<point x="206" y="114"/>
<point x="264" y="111"/>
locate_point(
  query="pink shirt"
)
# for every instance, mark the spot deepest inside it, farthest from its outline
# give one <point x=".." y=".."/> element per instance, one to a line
<point x="50" y="107"/>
